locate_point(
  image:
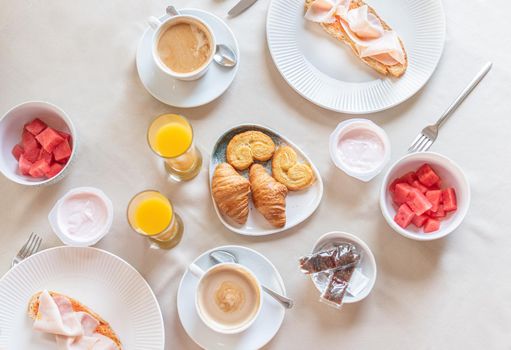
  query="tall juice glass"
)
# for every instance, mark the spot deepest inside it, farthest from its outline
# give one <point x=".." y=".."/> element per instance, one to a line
<point x="170" y="136"/>
<point x="151" y="214"/>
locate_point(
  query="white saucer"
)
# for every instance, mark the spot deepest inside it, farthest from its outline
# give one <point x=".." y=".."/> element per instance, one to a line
<point x="265" y="326"/>
<point x="187" y="94"/>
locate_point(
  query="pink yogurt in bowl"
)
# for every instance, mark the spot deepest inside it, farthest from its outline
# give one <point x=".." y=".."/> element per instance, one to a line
<point x="360" y="148"/>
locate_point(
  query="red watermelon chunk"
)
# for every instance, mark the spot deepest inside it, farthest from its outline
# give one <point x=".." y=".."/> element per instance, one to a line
<point x="449" y="199"/>
<point x="419" y="220"/>
<point x="35" y="126"/>
<point x="62" y="151"/>
<point x="419" y="186"/>
<point x="440" y="213"/>
<point x="28" y="141"/>
<point x="418" y="202"/>
<point x="39" y="168"/>
<point x="65" y="135"/>
<point x="17" y="151"/>
<point x="409" y="177"/>
<point x="47" y="157"/>
<point x="427" y="176"/>
<point x="404" y="216"/>
<point x="55" y="168"/>
<point x="24" y="165"/>
<point x="431" y="225"/>
<point x="434" y="197"/>
<point x="402" y="193"/>
<point x="49" y="139"/>
<point x="392" y="187"/>
<point x="32" y="154"/>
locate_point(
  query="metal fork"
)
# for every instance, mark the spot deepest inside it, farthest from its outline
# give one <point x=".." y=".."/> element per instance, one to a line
<point x="428" y="135"/>
<point x="30" y="247"/>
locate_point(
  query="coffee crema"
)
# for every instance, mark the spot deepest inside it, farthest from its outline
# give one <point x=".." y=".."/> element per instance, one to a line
<point x="229" y="297"/>
<point x="184" y="47"/>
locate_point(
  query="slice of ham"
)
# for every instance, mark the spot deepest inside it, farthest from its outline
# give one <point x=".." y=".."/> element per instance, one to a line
<point x="72" y="330"/>
<point x="56" y="316"/>
<point x="362" y="27"/>
<point x="364" y="24"/>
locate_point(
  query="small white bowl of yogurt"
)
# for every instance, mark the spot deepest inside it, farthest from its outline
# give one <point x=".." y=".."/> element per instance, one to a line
<point x="360" y="148"/>
<point x="82" y="216"/>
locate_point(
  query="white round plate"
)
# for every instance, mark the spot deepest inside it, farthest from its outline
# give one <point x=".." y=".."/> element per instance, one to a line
<point x="326" y="72"/>
<point x="100" y="280"/>
<point x="300" y="205"/>
<point x="265" y="326"/>
<point x="187" y="94"/>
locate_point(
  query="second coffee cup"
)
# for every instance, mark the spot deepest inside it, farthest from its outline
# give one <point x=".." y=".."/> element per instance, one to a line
<point x="228" y="297"/>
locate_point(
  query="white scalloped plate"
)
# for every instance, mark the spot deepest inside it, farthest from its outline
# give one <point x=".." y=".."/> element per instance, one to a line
<point x="102" y="281"/>
<point x="326" y="72"/>
<point x="299" y="204"/>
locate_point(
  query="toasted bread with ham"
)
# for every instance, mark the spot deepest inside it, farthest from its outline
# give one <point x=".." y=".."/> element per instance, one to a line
<point x="336" y="30"/>
<point x="103" y="328"/>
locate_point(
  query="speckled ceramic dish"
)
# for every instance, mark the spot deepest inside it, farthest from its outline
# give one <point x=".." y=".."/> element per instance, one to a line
<point x="299" y="204"/>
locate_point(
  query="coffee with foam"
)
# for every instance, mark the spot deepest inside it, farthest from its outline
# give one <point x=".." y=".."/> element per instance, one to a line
<point x="228" y="297"/>
<point x="184" y="46"/>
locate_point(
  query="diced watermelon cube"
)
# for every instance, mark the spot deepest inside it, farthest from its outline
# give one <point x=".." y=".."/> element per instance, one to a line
<point x="45" y="155"/>
<point x="32" y="154"/>
<point x="49" y="139"/>
<point x="17" y="151"/>
<point x="402" y="193"/>
<point x="427" y="176"/>
<point x="28" y="141"/>
<point x="24" y="165"/>
<point x="440" y="213"/>
<point x="431" y="225"/>
<point x="65" y="135"/>
<point x="55" y="168"/>
<point x="419" y="186"/>
<point x="436" y="186"/>
<point x="434" y="197"/>
<point x="419" y="220"/>
<point x="392" y="187"/>
<point x="449" y="199"/>
<point x="62" y="151"/>
<point x="404" y="216"/>
<point x="39" y="168"/>
<point x="409" y="177"/>
<point x="418" y="202"/>
<point x="35" y="126"/>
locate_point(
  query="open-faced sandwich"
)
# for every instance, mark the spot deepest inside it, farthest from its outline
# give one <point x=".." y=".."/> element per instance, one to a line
<point x="74" y="325"/>
<point x="359" y="26"/>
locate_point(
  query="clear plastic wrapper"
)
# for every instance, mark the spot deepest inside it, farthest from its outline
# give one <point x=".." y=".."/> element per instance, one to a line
<point x="341" y="256"/>
<point x="337" y="286"/>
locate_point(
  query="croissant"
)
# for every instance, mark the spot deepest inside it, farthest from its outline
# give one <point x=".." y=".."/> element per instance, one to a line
<point x="269" y="195"/>
<point x="231" y="192"/>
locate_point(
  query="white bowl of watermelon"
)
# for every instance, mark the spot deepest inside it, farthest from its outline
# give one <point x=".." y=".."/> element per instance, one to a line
<point x="37" y="143"/>
<point x="424" y="196"/>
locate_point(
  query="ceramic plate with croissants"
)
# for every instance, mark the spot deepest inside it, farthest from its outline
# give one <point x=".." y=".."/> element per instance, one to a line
<point x="261" y="182"/>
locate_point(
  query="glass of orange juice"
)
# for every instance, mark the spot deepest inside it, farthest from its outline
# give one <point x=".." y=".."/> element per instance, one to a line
<point x="151" y="214"/>
<point x="170" y="136"/>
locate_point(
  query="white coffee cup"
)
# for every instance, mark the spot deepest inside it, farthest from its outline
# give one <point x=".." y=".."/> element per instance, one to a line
<point x="216" y="326"/>
<point x="160" y="27"/>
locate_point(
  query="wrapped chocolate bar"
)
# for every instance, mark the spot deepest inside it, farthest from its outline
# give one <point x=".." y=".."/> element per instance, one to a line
<point x="341" y="256"/>
<point x="337" y="286"/>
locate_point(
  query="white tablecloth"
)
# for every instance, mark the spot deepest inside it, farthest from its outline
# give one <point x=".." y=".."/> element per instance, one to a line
<point x="446" y="294"/>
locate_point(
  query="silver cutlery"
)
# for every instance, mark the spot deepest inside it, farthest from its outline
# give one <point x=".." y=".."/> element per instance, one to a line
<point x="240" y="7"/>
<point x="30" y="247"/>
<point x="428" y="135"/>
<point x="225" y="56"/>
<point x="223" y="256"/>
